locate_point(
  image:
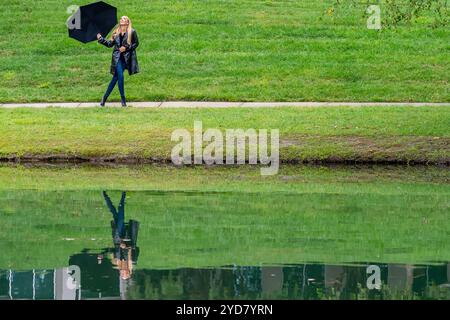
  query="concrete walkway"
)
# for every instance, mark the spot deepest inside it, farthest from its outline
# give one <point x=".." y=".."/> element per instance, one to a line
<point x="205" y="104"/>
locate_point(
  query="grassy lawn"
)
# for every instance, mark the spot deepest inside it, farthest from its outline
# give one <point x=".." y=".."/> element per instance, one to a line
<point x="327" y="134"/>
<point x="228" y="51"/>
<point x="200" y="217"/>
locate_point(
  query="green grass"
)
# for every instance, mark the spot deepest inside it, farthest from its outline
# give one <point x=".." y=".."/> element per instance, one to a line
<point x="226" y="50"/>
<point x="401" y="134"/>
<point x="200" y="217"/>
<point x="301" y="178"/>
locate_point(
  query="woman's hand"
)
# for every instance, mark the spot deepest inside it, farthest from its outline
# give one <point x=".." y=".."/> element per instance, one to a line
<point x="122" y="49"/>
<point x="99" y="36"/>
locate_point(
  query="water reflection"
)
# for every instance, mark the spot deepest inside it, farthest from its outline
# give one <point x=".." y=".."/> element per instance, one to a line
<point x="124" y="235"/>
<point x="112" y="273"/>
<point x="307" y="281"/>
<point x="97" y="268"/>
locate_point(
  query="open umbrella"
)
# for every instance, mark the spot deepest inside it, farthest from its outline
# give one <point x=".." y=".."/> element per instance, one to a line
<point x="91" y="19"/>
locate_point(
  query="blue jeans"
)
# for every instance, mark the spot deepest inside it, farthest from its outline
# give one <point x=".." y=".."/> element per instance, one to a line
<point x="118" y="215"/>
<point x="118" y="77"/>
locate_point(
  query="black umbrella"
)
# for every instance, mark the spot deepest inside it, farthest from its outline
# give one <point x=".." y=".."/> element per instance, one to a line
<point x="91" y="19"/>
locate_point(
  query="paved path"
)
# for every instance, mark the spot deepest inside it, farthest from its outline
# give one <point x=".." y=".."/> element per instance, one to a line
<point x="205" y="104"/>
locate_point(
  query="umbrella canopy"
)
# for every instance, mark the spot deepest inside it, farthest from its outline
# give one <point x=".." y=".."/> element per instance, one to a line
<point x="98" y="17"/>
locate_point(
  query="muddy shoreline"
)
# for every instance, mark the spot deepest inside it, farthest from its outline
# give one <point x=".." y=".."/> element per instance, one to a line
<point x="124" y="160"/>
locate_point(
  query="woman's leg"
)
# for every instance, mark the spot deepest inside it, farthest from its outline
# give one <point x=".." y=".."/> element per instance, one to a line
<point x="120" y="70"/>
<point x="121" y="215"/>
<point x="111" y="86"/>
<point x="111" y="207"/>
<point x="118" y="217"/>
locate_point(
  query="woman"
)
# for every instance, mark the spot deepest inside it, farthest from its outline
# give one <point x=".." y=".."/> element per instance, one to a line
<point x="125" y="41"/>
<point x="124" y="238"/>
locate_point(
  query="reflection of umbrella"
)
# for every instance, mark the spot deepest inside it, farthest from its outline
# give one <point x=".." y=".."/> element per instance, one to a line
<point x="98" y="17"/>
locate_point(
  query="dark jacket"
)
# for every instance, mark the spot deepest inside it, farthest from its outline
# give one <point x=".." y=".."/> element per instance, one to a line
<point x="129" y="55"/>
<point x="130" y="232"/>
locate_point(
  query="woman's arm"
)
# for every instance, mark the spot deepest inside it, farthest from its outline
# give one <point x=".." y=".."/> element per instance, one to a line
<point x="103" y="41"/>
<point x="130" y="262"/>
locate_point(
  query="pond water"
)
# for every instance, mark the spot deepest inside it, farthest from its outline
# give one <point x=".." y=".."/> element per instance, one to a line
<point x="306" y="281"/>
<point x="158" y="232"/>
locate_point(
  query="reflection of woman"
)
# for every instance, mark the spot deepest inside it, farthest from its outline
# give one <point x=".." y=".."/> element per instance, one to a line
<point x="125" y="41"/>
<point x="124" y="237"/>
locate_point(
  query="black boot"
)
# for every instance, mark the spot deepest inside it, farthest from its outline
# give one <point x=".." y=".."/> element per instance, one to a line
<point x="102" y="103"/>
<point x="124" y="103"/>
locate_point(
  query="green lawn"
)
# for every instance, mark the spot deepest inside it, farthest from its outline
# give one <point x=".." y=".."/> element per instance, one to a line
<point x="226" y="50"/>
<point x="391" y="134"/>
<point x="200" y="217"/>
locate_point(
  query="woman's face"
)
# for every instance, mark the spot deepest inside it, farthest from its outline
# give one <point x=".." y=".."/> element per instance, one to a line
<point x="123" y="21"/>
<point x="125" y="274"/>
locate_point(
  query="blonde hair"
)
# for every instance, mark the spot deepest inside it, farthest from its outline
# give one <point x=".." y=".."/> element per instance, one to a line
<point x="117" y="30"/>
